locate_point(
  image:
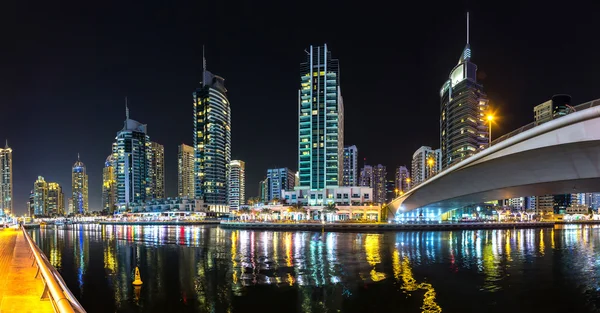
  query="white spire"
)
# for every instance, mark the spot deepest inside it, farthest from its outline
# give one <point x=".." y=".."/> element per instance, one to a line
<point x="78" y="156"/>
<point x="467" y="27"/>
<point x="203" y="67"/>
<point x="126" y="109"/>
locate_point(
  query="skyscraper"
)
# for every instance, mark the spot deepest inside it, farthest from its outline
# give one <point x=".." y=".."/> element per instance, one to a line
<point x="79" y="187"/>
<point x="212" y="141"/>
<point x="40" y="197"/>
<point x="31" y="203"/>
<point x="263" y="190"/>
<point x="157" y="171"/>
<point x="379" y="184"/>
<point x="366" y="176"/>
<point x="6" y="180"/>
<point x="402" y="179"/>
<point x="131" y="154"/>
<point x="464" y="129"/>
<point x="109" y="185"/>
<point x="558" y="106"/>
<point x="350" y="173"/>
<point x="185" y="171"/>
<point x="321" y="121"/>
<point x="56" y="200"/>
<point x="279" y="179"/>
<point x="425" y="164"/>
<point x="237" y="184"/>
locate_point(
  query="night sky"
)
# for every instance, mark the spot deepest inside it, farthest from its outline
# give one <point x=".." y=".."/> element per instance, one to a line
<point x="66" y="68"/>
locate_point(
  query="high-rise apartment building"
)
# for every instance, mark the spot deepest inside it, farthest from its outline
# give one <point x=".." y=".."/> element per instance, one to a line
<point x="464" y="106"/>
<point x="109" y="185"/>
<point x="554" y="108"/>
<point x="212" y="141"/>
<point x="132" y="157"/>
<point x="56" y="200"/>
<point x="185" y="171"/>
<point x="278" y="180"/>
<point x="402" y="179"/>
<point x="237" y="184"/>
<point x="157" y="171"/>
<point x="366" y="176"/>
<point x="350" y="174"/>
<point x="40" y="197"/>
<point x="31" y="203"/>
<point x="426" y="163"/>
<point x="321" y="121"/>
<point x="79" y="187"/>
<point x="379" y="184"/>
<point x="263" y="190"/>
<point x="70" y="208"/>
<point x="6" y="180"/>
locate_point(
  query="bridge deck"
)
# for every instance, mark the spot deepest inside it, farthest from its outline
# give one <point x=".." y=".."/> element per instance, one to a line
<point x="20" y="291"/>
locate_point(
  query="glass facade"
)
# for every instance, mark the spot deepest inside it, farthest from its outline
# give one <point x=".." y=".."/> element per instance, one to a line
<point x="350" y="174"/>
<point x="464" y="105"/>
<point x="109" y="185"/>
<point x="278" y="180"/>
<point x="321" y="124"/>
<point x="212" y="140"/>
<point x="132" y="160"/>
<point x="56" y="200"/>
<point x="80" y="188"/>
<point x="6" y="180"/>
<point x="237" y="184"/>
<point x="185" y="171"/>
<point x="40" y="197"/>
<point x="157" y="171"/>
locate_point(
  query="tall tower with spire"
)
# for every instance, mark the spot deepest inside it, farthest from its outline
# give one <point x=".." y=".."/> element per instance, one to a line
<point x="464" y="104"/>
<point x="6" y="180"/>
<point x="79" y="187"/>
<point x="131" y="159"/>
<point x="212" y="141"/>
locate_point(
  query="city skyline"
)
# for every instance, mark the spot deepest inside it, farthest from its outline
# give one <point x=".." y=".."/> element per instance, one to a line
<point x="509" y="89"/>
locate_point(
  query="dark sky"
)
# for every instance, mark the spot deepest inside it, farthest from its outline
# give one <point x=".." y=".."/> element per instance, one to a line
<point x="65" y="69"/>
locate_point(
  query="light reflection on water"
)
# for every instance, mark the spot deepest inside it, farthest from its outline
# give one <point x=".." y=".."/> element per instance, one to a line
<point x="209" y="269"/>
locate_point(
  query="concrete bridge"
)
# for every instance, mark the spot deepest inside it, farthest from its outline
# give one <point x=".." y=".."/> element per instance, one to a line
<point x="557" y="157"/>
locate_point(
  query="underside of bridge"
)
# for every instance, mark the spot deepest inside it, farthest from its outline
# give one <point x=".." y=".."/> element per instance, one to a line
<point x="557" y="169"/>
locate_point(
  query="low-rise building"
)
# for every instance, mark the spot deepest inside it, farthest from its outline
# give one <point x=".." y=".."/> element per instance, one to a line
<point x="338" y="195"/>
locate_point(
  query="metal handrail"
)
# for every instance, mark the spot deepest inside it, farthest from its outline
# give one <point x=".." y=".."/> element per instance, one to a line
<point x="60" y="295"/>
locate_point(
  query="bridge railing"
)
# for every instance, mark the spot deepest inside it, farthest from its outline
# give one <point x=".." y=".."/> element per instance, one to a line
<point x="55" y="288"/>
<point x="529" y="126"/>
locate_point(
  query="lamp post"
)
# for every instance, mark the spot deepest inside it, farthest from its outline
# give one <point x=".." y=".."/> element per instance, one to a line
<point x="430" y="163"/>
<point x="490" y="118"/>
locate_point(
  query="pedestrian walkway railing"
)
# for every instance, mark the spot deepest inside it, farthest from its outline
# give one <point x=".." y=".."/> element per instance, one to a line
<point x="55" y="288"/>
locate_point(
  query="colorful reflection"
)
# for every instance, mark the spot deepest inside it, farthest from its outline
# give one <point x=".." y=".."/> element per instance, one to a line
<point x="209" y="269"/>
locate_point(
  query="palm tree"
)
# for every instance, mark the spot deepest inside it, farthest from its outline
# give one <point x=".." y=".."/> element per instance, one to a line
<point x="297" y="208"/>
<point x="330" y="209"/>
<point x="266" y="212"/>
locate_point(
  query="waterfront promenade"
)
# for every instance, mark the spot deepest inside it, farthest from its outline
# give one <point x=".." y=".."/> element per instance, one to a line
<point x="20" y="290"/>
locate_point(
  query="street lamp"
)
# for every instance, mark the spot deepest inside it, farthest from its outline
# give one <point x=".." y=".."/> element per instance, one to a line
<point x="490" y="118"/>
<point x="396" y="190"/>
<point x="430" y="163"/>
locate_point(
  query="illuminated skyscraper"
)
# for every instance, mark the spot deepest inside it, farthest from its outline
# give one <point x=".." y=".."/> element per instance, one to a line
<point x="79" y="187"/>
<point x="237" y="184"/>
<point x="56" y="200"/>
<point x="279" y="179"/>
<point x="6" y="180"/>
<point x="379" y="184"/>
<point x="426" y="163"/>
<point x="132" y="157"/>
<point x="402" y="179"/>
<point x="464" y="129"/>
<point x="366" y="176"/>
<point x="321" y="121"/>
<point x="212" y="142"/>
<point x="185" y="171"/>
<point x="109" y="185"/>
<point x="40" y="197"/>
<point x="350" y="174"/>
<point x="157" y="171"/>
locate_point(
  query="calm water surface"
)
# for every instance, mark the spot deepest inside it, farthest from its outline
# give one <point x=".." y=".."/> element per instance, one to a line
<point x="209" y="269"/>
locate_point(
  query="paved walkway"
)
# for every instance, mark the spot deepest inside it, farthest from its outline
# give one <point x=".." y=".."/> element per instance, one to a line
<point x="20" y="291"/>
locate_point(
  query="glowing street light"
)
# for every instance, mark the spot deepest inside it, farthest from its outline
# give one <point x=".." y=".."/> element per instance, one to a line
<point x="490" y="118"/>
